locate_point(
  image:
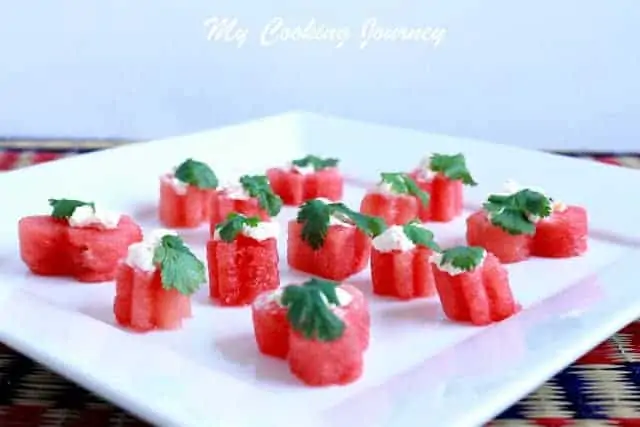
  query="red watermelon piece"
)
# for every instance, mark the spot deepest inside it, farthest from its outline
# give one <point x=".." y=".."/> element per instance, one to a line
<point x="357" y="314"/>
<point x="241" y="270"/>
<point x="394" y="209"/>
<point x="294" y="188"/>
<point x="402" y="274"/>
<point x="506" y="247"/>
<point x="345" y="252"/>
<point x="183" y="210"/>
<point x="142" y="304"/>
<point x="564" y="234"/>
<point x="270" y="325"/>
<point x="481" y="296"/>
<point x="51" y="247"/>
<point x="222" y="205"/>
<point x="446" y="197"/>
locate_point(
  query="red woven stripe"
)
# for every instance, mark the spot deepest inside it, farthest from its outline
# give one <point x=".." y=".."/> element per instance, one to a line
<point x="604" y="354"/>
<point x="45" y="156"/>
<point x="553" y="422"/>
<point x="625" y="422"/>
<point x="8" y="159"/>
<point x="609" y="160"/>
<point x="22" y="415"/>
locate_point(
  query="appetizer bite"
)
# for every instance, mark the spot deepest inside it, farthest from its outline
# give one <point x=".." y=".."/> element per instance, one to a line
<point x="155" y="281"/>
<point x="400" y="265"/>
<point x="396" y="199"/>
<point x="243" y="259"/>
<point x="509" y="223"/>
<point x="443" y="177"/>
<point x="186" y="194"/>
<point x="252" y="196"/>
<point x="473" y="286"/>
<point x="78" y="239"/>
<point x="330" y="240"/>
<point x="320" y="327"/>
<point x="307" y="178"/>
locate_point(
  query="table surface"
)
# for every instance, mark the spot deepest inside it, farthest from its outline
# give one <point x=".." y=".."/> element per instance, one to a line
<point x="600" y="389"/>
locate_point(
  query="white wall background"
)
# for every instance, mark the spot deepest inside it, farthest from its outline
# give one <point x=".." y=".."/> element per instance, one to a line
<point x="547" y="73"/>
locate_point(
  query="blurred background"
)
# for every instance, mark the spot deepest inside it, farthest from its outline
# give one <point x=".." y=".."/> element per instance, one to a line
<point x="546" y="74"/>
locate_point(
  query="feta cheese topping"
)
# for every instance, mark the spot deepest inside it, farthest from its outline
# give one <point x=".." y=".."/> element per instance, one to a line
<point x="436" y="258"/>
<point x="237" y="192"/>
<point x="393" y="239"/>
<point x="84" y="216"/>
<point x="344" y="298"/>
<point x="263" y="231"/>
<point x="140" y="254"/>
<point x="302" y="170"/>
<point x="512" y="187"/>
<point x="424" y="168"/>
<point x="179" y="186"/>
<point x="335" y="219"/>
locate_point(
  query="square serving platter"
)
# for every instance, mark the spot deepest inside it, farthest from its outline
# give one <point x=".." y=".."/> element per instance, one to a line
<point x="421" y="369"/>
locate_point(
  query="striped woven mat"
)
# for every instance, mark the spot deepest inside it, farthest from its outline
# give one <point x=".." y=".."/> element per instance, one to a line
<point x="600" y="389"/>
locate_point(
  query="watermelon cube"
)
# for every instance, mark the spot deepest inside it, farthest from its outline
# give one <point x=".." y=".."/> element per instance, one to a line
<point x="142" y="304"/>
<point x="244" y="264"/>
<point x="52" y="247"/>
<point x="480" y="294"/>
<point x="561" y="235"/>
<point x="402" y="274"/>
<point x="183" y="205"/>
<point x="270" y="324"/>
<point x="297" y="185"/>
<point x="228" y="201"/>
<point x="508" y="248"/>
<point x="446" y="197"/>
<point x="357" y="314"/>
<point x="392" y="208"/>
<point x="345" y="251"/>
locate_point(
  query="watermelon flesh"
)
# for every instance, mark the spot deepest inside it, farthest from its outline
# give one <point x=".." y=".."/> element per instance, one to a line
<point x="506" y="247"/>
<point x="402" y="274"/>
<point x="241" y="270"/>
<point x="295" y="188"/>
<point x="188" y="210"/>
<point x="142" y="304"/>
<point x="270" y="325"/>
<point x="345" y="252"/>
<point x="50" y="247"/>
<point x="357" y="314"/>
<point x="446" y="197"/>
<point x="222" y="206"/>
<point x="394" y="209"/>
<point x="321" y="363"/>
<point x="562" y="235"/>
<point x="481" y="296"/>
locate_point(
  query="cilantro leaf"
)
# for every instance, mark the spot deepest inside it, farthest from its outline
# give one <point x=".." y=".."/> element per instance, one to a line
<point x="371" y="225"/>
<point x="314" y="215"/>
<point x="196" y="173"/>
<point x="453" y="167"/>
<point x="258" y="186"/>
<point x="420" y="236"/>
<point x="180" y="269"/>
<point x="402" y="183"/>
<point x="309" y="314"/>
<point x="516" y="213"/>
<point x="318" y="163"/>
<point x="64" y="208"/>
<point x="234" y="224"/>
<point x="465" y="258"/>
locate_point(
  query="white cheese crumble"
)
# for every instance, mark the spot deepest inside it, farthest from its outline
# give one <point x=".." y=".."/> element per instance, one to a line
<point x="262" y="231"/>
<point x="344" y="298"/>
<point x="302" y="170"/>
<point x="236" y="192"/>
<point x="84" y="216"/>
<point x="424" y="168"/>
<point x="436" y="258"/>
<point x="335" y="219"/>
<point x="383" y="188"/>
<point x="178" y="186"/>
<point x="140" y="254"/>
<point x="393" y="239"/>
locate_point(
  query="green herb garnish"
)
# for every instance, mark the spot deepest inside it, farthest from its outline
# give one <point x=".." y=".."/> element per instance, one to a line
<point x="180" y="269"/>
<point x="402" y="183"/>
<point x="318" y="163"/>
<point x="465" y="258"/>
<point x="234" y="224"/>
<point x="315" y="216"/>
<point x="453" y="167"/>
<point x="64" y="208"/>
<point x="258" y="186"/>
<point x="420" y="236"/>
<point x="516" y="213"/>
<point x="308" y="311"/>
<point x="196" y="173"/>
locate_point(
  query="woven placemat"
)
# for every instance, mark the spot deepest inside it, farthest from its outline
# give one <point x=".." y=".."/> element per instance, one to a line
<point x="600" y="389"/>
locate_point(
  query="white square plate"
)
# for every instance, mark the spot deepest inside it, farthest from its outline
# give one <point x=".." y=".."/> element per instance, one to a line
<point x="420" y="368"/>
